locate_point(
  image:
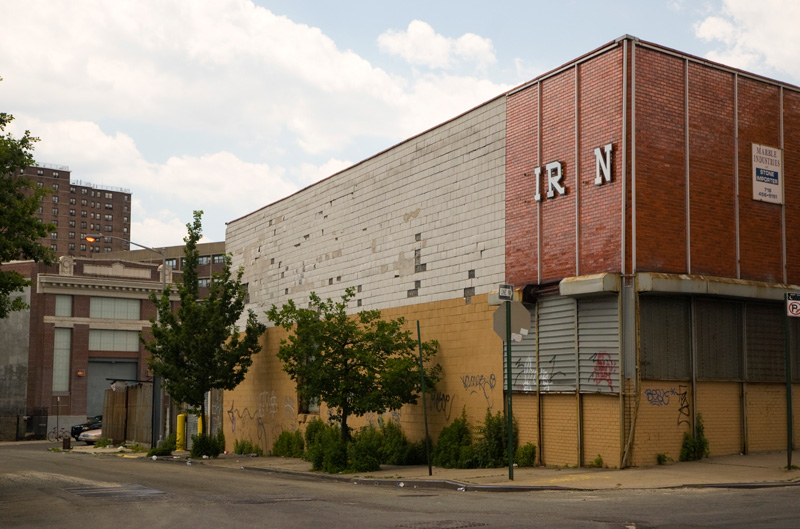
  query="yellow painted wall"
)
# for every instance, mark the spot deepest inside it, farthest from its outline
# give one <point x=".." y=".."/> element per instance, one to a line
<point x="664" y="415"/>
<point x="601" y="429"/>
<point x="720" y="404"/>
<point x="559" y="430"/>
<point x="766" y="417"/>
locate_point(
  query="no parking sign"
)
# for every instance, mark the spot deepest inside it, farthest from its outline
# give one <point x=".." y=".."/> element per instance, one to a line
<point x="793" y="305"/>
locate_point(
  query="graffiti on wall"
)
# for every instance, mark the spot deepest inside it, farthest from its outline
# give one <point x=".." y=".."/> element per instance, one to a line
<point x="663" y="397"/>
<point x="480" y="383"/>
<point x="442" y="403"/>
<point x="244" y="421"/>
<point x="527" y="373"/>
<point x="604" y="369"/>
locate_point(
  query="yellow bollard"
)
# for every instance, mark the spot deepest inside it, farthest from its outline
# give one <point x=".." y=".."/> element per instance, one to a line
<point x="180" y="433"/>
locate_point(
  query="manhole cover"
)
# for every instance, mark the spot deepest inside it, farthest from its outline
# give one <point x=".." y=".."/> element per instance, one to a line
<point x="442" y="524"/>
<point x="125" y="491"/>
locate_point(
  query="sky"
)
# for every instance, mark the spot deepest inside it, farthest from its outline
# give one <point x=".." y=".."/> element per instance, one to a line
<point x="226" y="106"/>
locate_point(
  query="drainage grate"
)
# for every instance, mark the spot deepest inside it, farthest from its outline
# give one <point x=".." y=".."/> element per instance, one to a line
<point x="258" y="500"/>
<point x="442" y="524"/>
<point x="124" y="491"/>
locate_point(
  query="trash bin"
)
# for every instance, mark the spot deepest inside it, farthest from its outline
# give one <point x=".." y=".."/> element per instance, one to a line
<point x="66" y="443"/>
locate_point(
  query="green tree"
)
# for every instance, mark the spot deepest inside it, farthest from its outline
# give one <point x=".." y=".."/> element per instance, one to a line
<point x="199" y="347"/>
<point x="355" y="365"/>
<point x="19" y="227"/>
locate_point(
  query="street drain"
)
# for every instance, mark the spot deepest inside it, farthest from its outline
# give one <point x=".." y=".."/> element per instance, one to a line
<point x="442" y="524"/>
<point x="254" y="500"/>
<point x="125" y="491"/>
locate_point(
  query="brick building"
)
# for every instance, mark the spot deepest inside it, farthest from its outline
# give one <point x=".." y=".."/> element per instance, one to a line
<point x="81" y="330"/>
<point x="644" y="203"/>
<point x="79" y="208"/>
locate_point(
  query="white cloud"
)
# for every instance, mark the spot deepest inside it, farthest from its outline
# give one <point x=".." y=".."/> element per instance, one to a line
<point x="757" y="36"/>
<point x="421" y="45"/>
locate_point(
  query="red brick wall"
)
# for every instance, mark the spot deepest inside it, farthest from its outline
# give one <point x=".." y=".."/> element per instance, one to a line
<point x="712" y="171"/>
<point x="760" y="222"/>
<point x="660" y="163"/>
<point x="600" y="123"/>
<point x="791" y="190"/>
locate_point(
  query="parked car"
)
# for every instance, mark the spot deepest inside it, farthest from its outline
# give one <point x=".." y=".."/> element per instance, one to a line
<point x="90" y="437"/>
<point x="92" y="423"/>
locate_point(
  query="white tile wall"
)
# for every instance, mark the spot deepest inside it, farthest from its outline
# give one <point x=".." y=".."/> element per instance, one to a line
<point x="360" y="226"/>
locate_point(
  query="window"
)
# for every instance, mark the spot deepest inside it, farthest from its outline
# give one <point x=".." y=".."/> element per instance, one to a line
<point x="172" y="263"/>
<point x="64" y="305"/>
<point x="203" y="282"/>
<point x="108" y="239"/>
<point x="83" y="247"/>
<point x="55" y="211"/>
<point x="124" y="230"/>
<point x="54" y="222"/>
<point x="92" y="192"/>
<point x="72" y="246"/>
<point x="72" y="224"/>
<point x="125" y="209"/>
<point x="54" y="235"/>
<point x="72" y="235"/>
<point x="39" y="184"/>
<point x="84" y="191"/>
<point x="40" y="172"/>
<point x="40" y="210"/>
<point x="54" y="247"/>
<point x="109" y="217"/>
<point x="108" y="250"/>
<point x="72" y="212"/>
<point x="55" y="199"/>
<point x="55" y="187"/>
<point x="109" y="206"/>
<point x="83" y="224"/>
<point x="72" y="202"/>
<point x="61" y="354"/>
<point x="109" y="228"/>
<point x="127" y="197"/>
<point x="83" y="202"/>
<point x="72" y="189"/>
<point x="109" y="195"/>
<point x="83" y="214"/>
<point x="219" y="259"/>
<point x="55" y="174"/>
<point x="114" y="308"/>
<point x="204" y="260"/>
<point x="112" y="340"/>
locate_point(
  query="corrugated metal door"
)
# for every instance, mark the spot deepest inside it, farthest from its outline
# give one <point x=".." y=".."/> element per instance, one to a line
<point x="598" y="344"/>
<point x="523" y="360"/>
<point x="557" y="366"/>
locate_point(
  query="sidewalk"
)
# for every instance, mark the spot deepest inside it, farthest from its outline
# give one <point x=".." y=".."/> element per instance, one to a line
<point x="751" y="471"/>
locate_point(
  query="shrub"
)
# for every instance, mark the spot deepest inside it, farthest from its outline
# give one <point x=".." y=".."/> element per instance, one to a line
<point x="288" y="444"/>
<point x="417" y="453"/>
<point x="395" y="446"/>
<point x="165" y="447"/>
<point x="491" y="448"/>
<point x="695" y="447"/>
<point x="597" y="462"/>
<point x="103" y="442"/>
<point x="324" y="447"/>
<point x="312" y="429"/>
<point x="207" y="445"/>
<point x="454" y="446"/>
<point x="364" y="450"/>
<point x="245" y="447"/>
<point x="526" y="455"/>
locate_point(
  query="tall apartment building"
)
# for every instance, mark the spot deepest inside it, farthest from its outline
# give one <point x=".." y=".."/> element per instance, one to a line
<point x="79" y="208"/>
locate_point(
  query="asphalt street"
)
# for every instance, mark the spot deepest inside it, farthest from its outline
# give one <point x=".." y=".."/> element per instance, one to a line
<point x="40" y="488"/>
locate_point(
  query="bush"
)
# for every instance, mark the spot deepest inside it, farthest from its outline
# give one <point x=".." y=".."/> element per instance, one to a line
<point x="312" y="429"/>
<point x="395" y="447"/>
<point x="364" y="450"/>
<point x="288" y="444"/>
<point x="103" y="442"/>
<point x="491" y="448"/>
<point x="417" y="453"/>
<point x="324" y="447"/>
<point x="208" y="445"/>
<point x="695" y="447"/>
<point x="526" y="456"/>
<point x="454" y="446"/>
<point x="245" y="447"/>
<point x="165" y="447"/>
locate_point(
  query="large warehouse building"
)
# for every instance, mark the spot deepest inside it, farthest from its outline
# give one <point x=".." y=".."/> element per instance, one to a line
<point x="646" y="205"/>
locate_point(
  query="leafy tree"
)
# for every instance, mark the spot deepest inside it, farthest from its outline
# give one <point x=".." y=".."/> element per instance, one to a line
<point x="19" y="227"/>
<point x="355" y="365"/>
<point x="199" y="347"/>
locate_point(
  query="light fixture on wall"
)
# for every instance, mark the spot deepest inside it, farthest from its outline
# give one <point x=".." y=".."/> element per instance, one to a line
<point x="81" y="373"/>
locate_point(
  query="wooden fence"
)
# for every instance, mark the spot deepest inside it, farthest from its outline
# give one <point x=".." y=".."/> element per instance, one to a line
<point x="127" y="414"/>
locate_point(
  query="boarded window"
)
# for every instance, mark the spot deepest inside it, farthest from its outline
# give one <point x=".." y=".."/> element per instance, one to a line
<point x="114" y="308"/>
<point x="109" y="340"/>
<point x="719" y="339"/>
<point x="665" y="337"/>
<point x="766" y="349"/>
<point x="61" y="358"/>
<point x="557" y="344"/>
